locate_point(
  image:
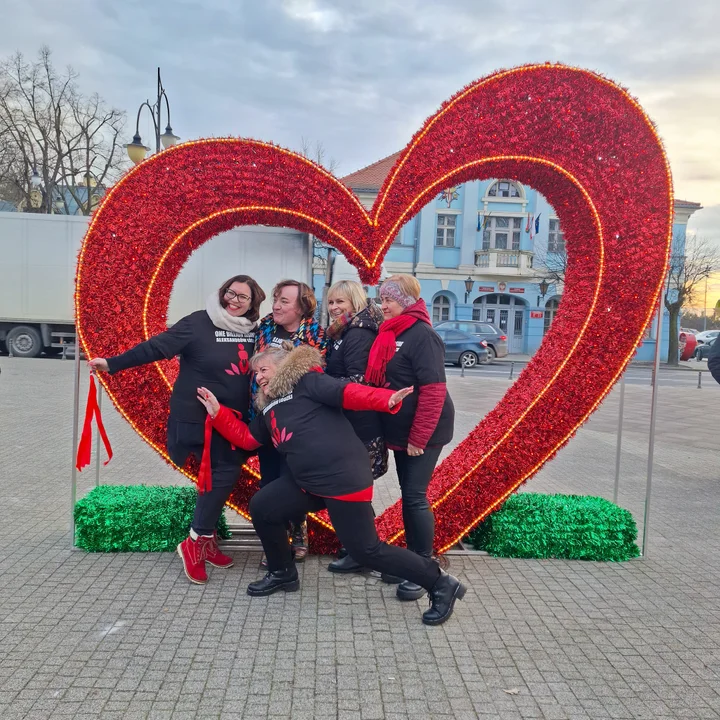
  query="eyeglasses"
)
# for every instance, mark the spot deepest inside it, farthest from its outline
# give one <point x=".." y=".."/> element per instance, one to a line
<point x="232" y="295"/>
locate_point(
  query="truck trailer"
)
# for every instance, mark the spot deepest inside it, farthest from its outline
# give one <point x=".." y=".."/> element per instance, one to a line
<point x="38" y="256"/>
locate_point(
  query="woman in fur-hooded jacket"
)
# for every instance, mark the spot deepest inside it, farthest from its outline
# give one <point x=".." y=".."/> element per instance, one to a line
<point x="301" y="414"/>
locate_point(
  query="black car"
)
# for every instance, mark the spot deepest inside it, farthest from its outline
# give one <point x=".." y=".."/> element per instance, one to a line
<point x="703" y="351"/>
<point x="462" y="348"/>
<point x="497" y="341"/>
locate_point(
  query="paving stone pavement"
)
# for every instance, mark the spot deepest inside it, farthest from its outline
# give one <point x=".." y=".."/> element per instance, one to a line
<point x="126" y="636"/>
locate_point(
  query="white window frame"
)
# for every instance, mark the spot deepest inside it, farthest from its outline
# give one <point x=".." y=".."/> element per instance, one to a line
<point x="513" y="230"/>
<point x="444" y="229"/>
<point x="496" y="186"/>
<point x="556" y="237"/>
<point x="441" y="303"/>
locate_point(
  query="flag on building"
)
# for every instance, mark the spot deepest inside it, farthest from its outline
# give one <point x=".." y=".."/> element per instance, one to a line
<point x="479" y="224"/>
<point x="537" y="223"/>
<point x="527" y="224"/>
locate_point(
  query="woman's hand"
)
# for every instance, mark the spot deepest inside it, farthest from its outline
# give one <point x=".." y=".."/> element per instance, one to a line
<point x="209" y="401"/>
<point x="414" y="451"/>
<point x="398" y="397"/>
<point x="98" y="364"/>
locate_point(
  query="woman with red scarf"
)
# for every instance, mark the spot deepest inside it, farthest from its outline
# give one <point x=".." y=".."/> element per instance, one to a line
<point x="408" y="352"/>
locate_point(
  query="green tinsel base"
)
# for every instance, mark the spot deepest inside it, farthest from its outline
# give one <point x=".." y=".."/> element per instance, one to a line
<point x="572" y="527"/>
<point x="136" y="518"/>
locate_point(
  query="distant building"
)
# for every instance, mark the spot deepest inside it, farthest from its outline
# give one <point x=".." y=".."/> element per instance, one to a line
<point x="490" y="233"/>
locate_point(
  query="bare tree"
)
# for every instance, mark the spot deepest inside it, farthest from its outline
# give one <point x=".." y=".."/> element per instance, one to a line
<point x="68" y="142"/>
<point x="550" y="266"/>
<point x="318" y="154"/>
<point x="686" y="274"/>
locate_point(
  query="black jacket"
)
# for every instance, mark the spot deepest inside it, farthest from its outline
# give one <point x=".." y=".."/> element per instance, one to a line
<point x="210" y="357"/>
<point x="419" y="361"/>
<point x="347" y="356"/>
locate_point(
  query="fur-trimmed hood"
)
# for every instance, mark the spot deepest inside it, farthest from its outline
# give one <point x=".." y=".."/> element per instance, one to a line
<point x="300" y="361"/>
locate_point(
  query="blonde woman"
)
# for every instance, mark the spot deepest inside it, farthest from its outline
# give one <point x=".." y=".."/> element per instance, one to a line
<point x="408" y="352"/>
<point x="354" y="326"/>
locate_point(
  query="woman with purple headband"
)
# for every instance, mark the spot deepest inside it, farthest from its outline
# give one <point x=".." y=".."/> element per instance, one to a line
<point x="408" y="352"/>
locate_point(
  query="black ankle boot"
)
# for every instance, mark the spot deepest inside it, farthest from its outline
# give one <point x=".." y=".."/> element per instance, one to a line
<point x="410" y="591"/>
<point x="286" y="580"/>
<point x="346" y="565"/>
<point x="391" y="579"/>
<point x="446" y="590"/>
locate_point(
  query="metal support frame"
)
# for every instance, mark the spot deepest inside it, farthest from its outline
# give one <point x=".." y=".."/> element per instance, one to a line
<point x="76" y="414"/>
<point x="618" y="451"/>
<point x="651" y="442"/>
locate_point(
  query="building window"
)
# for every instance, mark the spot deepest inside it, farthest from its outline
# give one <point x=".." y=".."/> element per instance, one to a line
<point x="504" y="189"/>
<point x="441" y="309"/>
<point x="445" y="234"/>
<point x="551" y="307"/>
<point x="502" y="233"/>
<point x="556" y="239"/>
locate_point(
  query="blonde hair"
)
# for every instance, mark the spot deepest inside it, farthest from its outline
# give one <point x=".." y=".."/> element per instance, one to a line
<point x="275" y="354"/>
<point x="353" y="291"/>
<point x="409" y="284"/>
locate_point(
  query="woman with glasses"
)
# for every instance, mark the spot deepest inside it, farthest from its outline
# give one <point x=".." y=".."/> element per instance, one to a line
<point x="215" y="346"/>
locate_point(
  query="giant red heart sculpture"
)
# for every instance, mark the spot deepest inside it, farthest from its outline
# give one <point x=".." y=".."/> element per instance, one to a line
<point x="579" y="139"/>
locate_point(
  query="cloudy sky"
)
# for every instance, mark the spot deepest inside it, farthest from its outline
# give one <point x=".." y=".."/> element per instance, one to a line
<point x="361" y="76"/>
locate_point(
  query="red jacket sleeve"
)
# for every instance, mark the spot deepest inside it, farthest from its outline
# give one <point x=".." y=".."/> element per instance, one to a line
<point x="363" y="397"/>
<point x="431" y="399"/>
<point x="234" y="429"/>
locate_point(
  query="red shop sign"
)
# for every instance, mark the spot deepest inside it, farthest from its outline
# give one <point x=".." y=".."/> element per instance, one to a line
<point x="537" y="314"/>
<point x="517" y="290"/>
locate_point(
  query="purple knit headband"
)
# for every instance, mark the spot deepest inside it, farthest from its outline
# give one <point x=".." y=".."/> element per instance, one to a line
<point x="391" y="289"/>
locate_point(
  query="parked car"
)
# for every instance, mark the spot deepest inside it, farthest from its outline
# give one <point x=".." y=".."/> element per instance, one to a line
<point x="497" y="342"/>
<point x="703" y="338"/>
<point x="706" y="335"/>
<point x="703" y="351"/>
<point x="463" y="348"/>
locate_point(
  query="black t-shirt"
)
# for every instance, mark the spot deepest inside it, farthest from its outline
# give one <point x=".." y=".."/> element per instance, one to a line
<point x="419" y="360"/>
<point x="216" y="359"/>
<point x="347" y="359"/>
<point x="308" y="428"/>
<point x="279" y="336"/>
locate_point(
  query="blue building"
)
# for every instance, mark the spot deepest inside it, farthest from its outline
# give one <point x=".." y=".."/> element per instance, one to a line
<point x="480" y="251"/>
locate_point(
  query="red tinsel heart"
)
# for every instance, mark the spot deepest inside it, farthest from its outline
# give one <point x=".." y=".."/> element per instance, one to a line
<point x="578" y="138"/>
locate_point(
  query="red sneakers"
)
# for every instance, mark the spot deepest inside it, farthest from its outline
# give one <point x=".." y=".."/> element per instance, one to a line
<point x="193" y="554"/>
<point x="215" y="557"/>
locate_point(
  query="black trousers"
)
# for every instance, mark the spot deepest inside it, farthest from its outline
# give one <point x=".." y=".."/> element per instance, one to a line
<point x="354" y="524"/>
<point x="414" y="474"/>
<point x="185" y="439"/>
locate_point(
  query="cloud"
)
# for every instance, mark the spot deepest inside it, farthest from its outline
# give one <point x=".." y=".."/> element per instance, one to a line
<point x="361" y="77"/>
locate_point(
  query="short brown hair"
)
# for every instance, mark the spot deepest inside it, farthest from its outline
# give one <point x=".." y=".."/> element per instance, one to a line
<point x="306" y="296"/>
<point x="257" y="293"/>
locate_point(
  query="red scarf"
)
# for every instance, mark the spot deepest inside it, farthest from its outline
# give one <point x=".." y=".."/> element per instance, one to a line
<point x="383" y="349"/>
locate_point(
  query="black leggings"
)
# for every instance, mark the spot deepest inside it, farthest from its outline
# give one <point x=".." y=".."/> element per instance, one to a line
<point x="354" y="524"/>
<point x="414" y="474"/>
<point x="185" y="439"/>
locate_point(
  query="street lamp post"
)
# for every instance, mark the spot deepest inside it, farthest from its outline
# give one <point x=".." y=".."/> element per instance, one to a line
<point x="468" y="287"/>
<point x="136" y="150"/>
<point x="544" y="286"/>
<point x="707" y="272"/>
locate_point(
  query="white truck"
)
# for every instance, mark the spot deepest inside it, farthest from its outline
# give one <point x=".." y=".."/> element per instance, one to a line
<point x="38" y="254"/>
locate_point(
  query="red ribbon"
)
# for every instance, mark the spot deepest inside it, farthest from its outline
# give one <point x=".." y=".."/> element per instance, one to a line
<point x="85" y="444"/>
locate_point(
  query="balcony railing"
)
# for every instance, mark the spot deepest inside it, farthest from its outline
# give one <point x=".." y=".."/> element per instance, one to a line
<point x="513" y="262"/>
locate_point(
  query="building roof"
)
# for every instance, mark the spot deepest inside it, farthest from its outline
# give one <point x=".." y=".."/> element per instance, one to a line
<point x="372" y="177"/>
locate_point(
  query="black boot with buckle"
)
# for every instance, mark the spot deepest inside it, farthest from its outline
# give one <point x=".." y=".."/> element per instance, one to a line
<point x="409" y="590"/>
